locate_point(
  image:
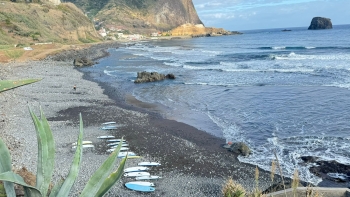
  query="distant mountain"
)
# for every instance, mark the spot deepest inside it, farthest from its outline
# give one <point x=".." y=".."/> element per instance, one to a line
<point x="140" y="16"/>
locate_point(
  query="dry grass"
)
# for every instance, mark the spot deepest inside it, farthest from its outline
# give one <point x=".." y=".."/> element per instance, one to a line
<point x="233" y="189"/>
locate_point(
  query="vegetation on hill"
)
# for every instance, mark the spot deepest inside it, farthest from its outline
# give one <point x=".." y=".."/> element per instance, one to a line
<point x="29" y="23"/>
<point x="140" y="16"/>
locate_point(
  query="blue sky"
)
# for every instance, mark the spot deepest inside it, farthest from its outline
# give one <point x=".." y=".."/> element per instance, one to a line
<point x="265" y="14"/>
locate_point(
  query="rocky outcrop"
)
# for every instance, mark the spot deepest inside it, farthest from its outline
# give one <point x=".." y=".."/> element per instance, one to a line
<point x="144" y="76"/>
<point x="239" y="148"/>
<point x="80" y="62"/>
<point x="199" y="30"/>
<point x="320" y="23"/>
<point x="330" y="170"/>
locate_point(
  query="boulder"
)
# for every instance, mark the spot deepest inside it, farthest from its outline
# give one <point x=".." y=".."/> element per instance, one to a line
<point x="80" y="62"/>
<point x="144" y="76"/>
<point x="320" y="23"/>
<point x="240" y="148"/>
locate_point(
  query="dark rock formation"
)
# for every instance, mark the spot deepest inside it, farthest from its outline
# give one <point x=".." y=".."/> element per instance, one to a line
<point x="80" y="62"/>
<point x="330" y="170"/>
<point x="320" y="23"/>
<point x="144" y="76"/>
<point x="240" y="148"/>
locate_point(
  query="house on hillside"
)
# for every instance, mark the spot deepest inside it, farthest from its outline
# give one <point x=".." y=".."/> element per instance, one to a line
<point x="102" y="32"/>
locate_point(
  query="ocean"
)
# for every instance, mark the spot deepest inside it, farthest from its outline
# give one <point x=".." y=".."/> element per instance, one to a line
<point x="278" y="91"/>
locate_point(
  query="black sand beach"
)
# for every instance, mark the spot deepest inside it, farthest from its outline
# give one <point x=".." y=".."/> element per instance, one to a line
<point x="193" y="161"/>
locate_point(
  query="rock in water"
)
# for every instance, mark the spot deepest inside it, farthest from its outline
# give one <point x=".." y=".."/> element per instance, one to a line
<point x="80" y="62"/>
<point x="240" y="148"/>
<point x="144" y="76"/>
<point x="320" y="23"/>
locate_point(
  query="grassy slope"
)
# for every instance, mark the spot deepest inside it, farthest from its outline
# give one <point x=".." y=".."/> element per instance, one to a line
<point x="23" y="23"/>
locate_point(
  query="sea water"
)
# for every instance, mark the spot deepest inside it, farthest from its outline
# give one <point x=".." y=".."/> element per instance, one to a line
<point x="283" y="92"/>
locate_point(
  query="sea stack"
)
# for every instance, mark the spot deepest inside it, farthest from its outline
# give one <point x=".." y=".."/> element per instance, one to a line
<point x="320" y="23"/>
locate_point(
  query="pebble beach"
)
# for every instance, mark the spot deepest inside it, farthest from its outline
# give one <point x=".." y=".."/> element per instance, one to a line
<point x="193" y="161"/>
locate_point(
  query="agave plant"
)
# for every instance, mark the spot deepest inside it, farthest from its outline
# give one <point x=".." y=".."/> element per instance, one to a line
<point x="10" y="84"/>
<point x="99" y="183"/>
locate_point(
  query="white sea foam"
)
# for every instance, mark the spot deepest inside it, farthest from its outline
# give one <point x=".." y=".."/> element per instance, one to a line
<point x="294" y="56"/>
<point x="278" y="47"/>
<point x="109" y="73"/>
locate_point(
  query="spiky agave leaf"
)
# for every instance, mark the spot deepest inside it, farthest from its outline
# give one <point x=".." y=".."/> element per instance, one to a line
<point x="46" y="152"/>
<point x="10" y="84"/>
<point x="101" y="174"/>
<point x="74" y="170"/>
<point x="5" y="166"/>
<point x="112" y="179"/>
<point x="30" y="191"/>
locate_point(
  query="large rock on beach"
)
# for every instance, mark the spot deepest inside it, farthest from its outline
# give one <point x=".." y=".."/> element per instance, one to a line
<point x="320" y="23"/>
<point x="80" y="62"/>
<point x="144" y="76"/>
<point x="240" y="148"/>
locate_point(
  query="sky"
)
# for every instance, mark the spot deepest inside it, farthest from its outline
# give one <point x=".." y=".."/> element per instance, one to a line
<point x="265" y="14"/>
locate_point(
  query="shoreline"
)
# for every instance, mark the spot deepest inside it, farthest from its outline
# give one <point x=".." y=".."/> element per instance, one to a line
<point x="194" y="163"/>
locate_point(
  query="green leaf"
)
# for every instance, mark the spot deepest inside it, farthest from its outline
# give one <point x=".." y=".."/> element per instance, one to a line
<point x="74" y="170"/>
<point x="46" y="152"/>
<point x="97" y="179"/>
<point x="5" y="166"/>
<point x="15" y="178"/>
<point x="112" y="179"/>
<point x="10" y="84"/>
<point x="56" y="189"/>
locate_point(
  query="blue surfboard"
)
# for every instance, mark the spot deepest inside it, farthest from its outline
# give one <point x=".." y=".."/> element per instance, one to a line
<point x="140" y="188"/>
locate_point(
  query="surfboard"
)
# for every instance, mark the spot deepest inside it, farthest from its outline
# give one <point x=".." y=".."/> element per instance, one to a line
<point x="136" y="169"/>
<point x="106" y="137"/>
<point x="143" y="183"/>
<point x="107" y="123"/>
<point x="116" y="140"/>
<point x="136" y="174"/>
<point x="85" y="146"/>
<point x="133" y="157"/>
<point x="123" y="154"/>
<point x="147" y="178"/>
<point x="84" y="142"/>
<point x="140" y="188"/>
<point x="115" y="143"/>
<point x="149" y="164"/>
<point x="109" y="127"/>
<point x="122" y="149"/>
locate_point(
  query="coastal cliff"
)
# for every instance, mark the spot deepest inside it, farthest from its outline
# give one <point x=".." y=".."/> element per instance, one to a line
<point x="137" y="16"/>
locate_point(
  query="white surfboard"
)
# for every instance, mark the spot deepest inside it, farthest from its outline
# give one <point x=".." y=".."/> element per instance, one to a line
<point x="143" y="183"/>
<point x="85" y="146"/>
<point x="83" y="142"/>
<point x="106" y="137"/>
<point x="123" y="154"/>
<point x="107" y="123"/>
<point x="136" y="174"/>
<point x="115" y="140"/>
<point x="122" y="149"/>
<point x="109" y="127"/>
<point x="115" y="143"/>
<point x="149" y="163"/>
<point x="147" y="177"/>
<point x="136" y="169"/>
